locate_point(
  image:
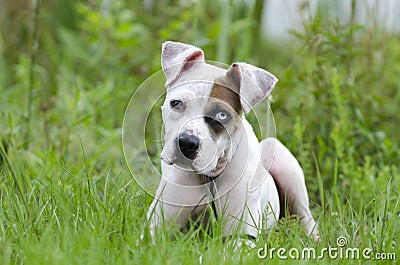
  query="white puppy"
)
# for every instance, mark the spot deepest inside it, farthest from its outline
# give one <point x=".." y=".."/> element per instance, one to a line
<point x="211" y="154"/>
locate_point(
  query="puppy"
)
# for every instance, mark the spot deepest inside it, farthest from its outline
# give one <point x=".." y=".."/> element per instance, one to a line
<point x="211" y="155"/>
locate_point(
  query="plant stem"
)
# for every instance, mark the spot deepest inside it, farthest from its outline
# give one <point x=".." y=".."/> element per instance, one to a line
<point x="223" y="36"/>
<point x="31" y="81"/>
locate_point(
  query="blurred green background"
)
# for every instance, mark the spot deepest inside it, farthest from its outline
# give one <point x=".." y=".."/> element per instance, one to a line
<point x="69" y="68"/>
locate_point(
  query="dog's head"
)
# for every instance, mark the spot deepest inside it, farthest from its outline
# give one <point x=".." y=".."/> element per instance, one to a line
<point x="204" y="107"/>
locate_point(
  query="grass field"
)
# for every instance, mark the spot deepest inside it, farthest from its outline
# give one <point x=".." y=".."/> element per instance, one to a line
<point x="68" y="70"/>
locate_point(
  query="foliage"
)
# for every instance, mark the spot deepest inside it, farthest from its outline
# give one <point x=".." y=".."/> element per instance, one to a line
<point x="66" y="195"/>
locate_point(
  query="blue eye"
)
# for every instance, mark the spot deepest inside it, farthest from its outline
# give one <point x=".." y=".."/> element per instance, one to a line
<point x="222" y="116"/>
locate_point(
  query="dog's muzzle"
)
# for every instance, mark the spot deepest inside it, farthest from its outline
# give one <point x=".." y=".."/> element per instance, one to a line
<point x="188" y="145"/>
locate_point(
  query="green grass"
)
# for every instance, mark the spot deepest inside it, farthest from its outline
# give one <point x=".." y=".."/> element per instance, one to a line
<point x="66" y="194"/>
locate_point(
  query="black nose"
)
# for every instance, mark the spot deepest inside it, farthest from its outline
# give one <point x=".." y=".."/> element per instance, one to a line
<point x="189" y="144"/>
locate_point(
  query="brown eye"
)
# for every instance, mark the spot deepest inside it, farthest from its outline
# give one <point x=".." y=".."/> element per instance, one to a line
<point x="175" y="104"/>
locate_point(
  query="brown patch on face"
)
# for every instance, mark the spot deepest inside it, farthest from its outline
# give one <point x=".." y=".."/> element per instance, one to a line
<point x="224" y="110"/>
<point x="224" y="89"/>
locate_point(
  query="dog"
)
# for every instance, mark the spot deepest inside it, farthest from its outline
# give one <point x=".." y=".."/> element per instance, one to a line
<point x="211" y="155"/>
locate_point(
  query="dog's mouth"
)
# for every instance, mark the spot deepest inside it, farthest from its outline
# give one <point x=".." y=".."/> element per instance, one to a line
<point x="208" y="170"/>
<point x="214" y="169"/>
<point x="221" y="165"/>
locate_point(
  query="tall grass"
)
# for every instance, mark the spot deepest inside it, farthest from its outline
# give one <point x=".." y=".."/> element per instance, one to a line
<point x="67" y="197"/>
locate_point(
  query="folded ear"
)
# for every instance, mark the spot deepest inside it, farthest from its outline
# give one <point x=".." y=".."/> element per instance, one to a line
<point x="177" y="57"/>
<point x="254" y="83"/>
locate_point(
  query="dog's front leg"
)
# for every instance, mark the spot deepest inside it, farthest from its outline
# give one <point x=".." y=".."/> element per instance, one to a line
<point x="162" y="213"/>
<point x="243" y="209"/>
<point x="178" y="197"/>
<point x="289" y="179"/>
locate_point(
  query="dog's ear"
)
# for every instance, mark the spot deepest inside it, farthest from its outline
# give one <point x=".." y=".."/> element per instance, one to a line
<point x="254" y="83"/>
<point x="177" y="57"/>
